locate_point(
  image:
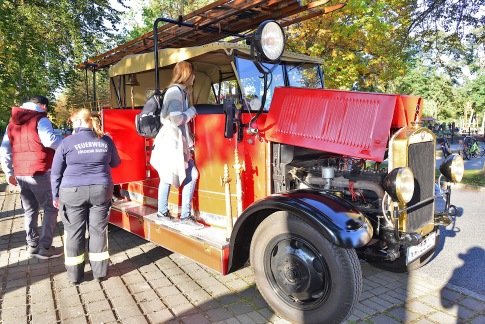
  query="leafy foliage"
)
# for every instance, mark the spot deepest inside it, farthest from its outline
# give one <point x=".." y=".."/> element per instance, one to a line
<point x="80" y="94"/>
<point x="412" y="47"/>
<point x="424" y="81"/>
<point x="163" y="8"/>
<point x="409" y="46"/>
<point x="459" y="19"/>
<point x="474" y="90"/>
<point x="450" y="34"/>
<point x="42" y="41"/>
<point x="363" y="43"/>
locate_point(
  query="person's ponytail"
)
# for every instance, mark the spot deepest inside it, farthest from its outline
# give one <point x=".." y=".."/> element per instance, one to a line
<point x="97" y="127"/>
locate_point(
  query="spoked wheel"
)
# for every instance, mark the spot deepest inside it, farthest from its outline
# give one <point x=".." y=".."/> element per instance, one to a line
<point x="301" y="275"/>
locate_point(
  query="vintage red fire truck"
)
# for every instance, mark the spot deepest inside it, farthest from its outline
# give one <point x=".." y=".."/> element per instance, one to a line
<point x="296" y="180"/>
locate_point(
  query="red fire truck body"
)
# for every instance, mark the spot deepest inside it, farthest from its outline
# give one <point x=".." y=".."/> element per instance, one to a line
<point x="296" y="179"/>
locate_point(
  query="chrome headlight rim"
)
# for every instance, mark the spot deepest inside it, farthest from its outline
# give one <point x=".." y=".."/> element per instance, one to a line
<point x="453" y="168"/>
<point x="269" y="40"/>
<point x="399" y="184"/>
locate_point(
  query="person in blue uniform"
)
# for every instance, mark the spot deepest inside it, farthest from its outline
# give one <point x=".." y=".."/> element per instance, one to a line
<point x="82" y="188"/>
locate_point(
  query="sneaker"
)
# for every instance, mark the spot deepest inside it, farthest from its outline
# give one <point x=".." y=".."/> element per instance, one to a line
<point x="191" y="222"/>
<point x="49" y="253"/>
<point x="166" y="216"/>
<point x="75" y="283"/>
<point x="32" y="250"/>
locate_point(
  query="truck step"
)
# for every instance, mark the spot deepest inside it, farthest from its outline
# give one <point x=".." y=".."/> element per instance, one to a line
<point x="207" y="246"/>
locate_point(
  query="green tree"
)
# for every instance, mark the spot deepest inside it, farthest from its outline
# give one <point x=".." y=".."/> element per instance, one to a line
<point x="474" y="91"/>
<point x="42" y="41"/>
<point x="75" y="92"/>
<point x="449" y="34"/>
<point x="162" y="8"/>
<point x="433" y="87"/>
<point x="363" y="43"/>
<point x="373" y="45"/>
<point x="80" y="94"/>
<point x="369" y="43"/>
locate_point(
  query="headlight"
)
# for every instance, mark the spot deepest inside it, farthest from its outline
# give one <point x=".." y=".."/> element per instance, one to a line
<point x="399" y="184"/>
<point x="269" y="40"/>
<point x="452" y="168"/>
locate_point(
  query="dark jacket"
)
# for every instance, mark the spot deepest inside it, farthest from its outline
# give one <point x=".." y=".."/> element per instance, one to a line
<point x="83" y="159"/>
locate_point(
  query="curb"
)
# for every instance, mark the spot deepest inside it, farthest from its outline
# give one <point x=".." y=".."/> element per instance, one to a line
<point x="461" y="290"/>
<point x="467" y="292"/>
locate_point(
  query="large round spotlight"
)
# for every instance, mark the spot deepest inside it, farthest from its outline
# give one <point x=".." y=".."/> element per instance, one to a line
<point x="269" y="40"/>
<point x="399" y="184"/>
<point x="452" y="168"/>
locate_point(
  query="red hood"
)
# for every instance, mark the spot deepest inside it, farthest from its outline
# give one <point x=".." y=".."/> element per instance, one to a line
<point x="355" y="124"/>
<point x="20" y="115"/>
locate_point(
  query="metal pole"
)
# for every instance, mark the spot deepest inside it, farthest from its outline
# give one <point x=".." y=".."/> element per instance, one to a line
<point x="86" y="83"/>
<point x="124" y="92"/>
<point x="94" y="87"/>
<point x="225" y="180"/>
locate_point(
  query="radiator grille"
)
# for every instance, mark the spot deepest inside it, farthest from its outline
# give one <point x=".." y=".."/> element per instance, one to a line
<point x="422" y="162"/>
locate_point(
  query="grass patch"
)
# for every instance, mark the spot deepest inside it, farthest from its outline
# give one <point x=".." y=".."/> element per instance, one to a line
<point x="470" y="177"/>
<point x="474" y="178"/>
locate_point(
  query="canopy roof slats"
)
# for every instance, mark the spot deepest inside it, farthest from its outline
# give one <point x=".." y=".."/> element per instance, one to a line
<point x="227" y="16"/>
<point x="310" y="14"/>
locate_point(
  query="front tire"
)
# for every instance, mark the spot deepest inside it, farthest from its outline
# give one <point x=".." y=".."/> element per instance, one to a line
<point x="302" y="276"/>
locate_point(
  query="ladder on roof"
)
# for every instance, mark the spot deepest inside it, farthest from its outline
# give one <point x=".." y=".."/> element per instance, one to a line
<point x="226" y="16"/>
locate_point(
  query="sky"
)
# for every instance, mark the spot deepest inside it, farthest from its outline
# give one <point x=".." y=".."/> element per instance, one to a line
<point x="136" y="4"/>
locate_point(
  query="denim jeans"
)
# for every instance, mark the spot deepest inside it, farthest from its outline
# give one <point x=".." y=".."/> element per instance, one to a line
<point x="188" y="187"/>
<point x="35" y="193"/>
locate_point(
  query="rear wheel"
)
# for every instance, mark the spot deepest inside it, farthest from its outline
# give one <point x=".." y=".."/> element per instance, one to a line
<point x="302" y="276"/>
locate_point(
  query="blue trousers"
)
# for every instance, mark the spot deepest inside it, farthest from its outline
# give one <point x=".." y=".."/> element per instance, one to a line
<point x="188" y="187"/>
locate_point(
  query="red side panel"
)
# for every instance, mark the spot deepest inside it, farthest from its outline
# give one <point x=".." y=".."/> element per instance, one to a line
<point x="120" y="124"/>
<point x="350" y="123"/>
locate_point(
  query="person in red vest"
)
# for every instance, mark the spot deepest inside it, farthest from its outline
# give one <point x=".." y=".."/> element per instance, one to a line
<point x="26" y="156"/>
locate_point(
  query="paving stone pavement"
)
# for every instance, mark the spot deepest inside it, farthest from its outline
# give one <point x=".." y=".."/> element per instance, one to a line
<point x="148" y="284"/>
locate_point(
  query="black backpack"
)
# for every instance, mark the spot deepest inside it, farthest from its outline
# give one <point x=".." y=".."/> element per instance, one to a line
<point x="147" y="122"/>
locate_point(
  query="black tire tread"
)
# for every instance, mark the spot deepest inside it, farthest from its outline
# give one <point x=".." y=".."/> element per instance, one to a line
<point x="351" y="270"/>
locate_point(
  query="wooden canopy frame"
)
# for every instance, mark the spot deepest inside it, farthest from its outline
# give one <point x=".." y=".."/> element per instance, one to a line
<point x="215" y="22"/>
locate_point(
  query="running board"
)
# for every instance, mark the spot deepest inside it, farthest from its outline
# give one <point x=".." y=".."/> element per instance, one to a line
<point x="207" y="246"/>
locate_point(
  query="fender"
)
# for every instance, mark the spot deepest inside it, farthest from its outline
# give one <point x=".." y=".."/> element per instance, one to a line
<point x="338" y="221"/>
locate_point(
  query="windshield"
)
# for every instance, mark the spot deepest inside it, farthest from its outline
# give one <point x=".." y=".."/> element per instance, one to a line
<point x="252" y="82"/>
<point x="303" y="75"/>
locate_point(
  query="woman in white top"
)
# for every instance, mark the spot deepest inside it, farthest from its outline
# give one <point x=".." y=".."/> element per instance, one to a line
<point x="173" y="145"/>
